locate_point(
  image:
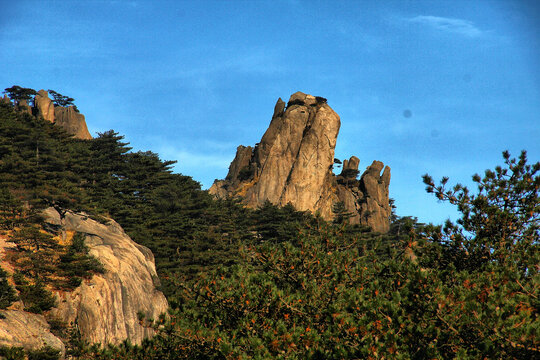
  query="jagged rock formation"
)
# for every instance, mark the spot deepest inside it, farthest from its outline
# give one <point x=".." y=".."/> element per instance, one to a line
<point x="293" y="164"/>
<point x="104" y="308"/>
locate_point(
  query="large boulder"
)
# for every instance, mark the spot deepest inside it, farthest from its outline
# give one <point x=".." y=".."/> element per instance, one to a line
<point x="72" y="121"/>
<point x="105" y="308"/>
<point x="293" y="164"/>
<point x="44" y="106"/>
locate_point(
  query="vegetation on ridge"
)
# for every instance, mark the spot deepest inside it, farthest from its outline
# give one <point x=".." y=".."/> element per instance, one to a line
<point x="277" y="283"/>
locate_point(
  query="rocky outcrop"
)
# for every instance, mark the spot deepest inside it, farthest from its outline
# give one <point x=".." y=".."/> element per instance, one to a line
<point x="30" y="331"/>
<point x="68" y="118"/>
<point x="72" y="121"/>
<point x="293" y="164"/>
<point x="44" y="106"/>
<point x="105" y="308"/>
<point x="375" y="202"/>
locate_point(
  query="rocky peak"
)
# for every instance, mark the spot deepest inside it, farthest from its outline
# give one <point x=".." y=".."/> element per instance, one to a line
<point x="293" y="164"/>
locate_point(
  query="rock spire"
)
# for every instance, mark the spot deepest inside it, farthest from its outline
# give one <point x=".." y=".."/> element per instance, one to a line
<point x="293" y="164"/>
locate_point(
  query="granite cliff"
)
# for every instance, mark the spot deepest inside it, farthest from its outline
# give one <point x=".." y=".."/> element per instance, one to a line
<point x="105" y="308"/>
<point x="293" y="163"/>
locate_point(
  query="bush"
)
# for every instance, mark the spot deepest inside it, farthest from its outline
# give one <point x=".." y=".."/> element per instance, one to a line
<point x="7" y="293"/>
<point x="36" y="297"/>
<point x="45" y="353"/>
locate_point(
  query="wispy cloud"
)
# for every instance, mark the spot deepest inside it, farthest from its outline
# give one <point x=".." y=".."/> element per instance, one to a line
<point x="456" y="26"/>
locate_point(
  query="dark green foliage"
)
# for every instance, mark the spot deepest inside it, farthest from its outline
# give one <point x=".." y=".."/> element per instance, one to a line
<point x="500" y="223"/>
<point x="18" y="93"/>
<point x="76" y="264"/>
<point x="245" y="173"/>
<point x="7" y="293"/>
<point x="350" y="173"/>
<point x="321" y="100"/>
<point x="45" y="353"/>
<point x="61" y="100"/>
<point x="12" y="353"/>
<point x="296" y="102"/>
<point x="335" y="292"/>
<point x="18" y="353"/>
<point x="341" y="215"/>
<point x="36" y="297"/>
<point x="277" y="283"/>
<point x="11" y="210"/>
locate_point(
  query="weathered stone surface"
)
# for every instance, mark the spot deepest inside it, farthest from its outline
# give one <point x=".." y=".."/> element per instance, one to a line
<point x="44" y="106"/>
<point x="279" y="108"/>
<point x="351" y="164"/>
<point x="313" y="161"/>
<point x="105" y="307"/>
<point x="293" y="164"/>
<point x="376" y="196"/>
<point x="27" y="330"/>
<point x="72" y="121"/>
<point x="239" y="169"/>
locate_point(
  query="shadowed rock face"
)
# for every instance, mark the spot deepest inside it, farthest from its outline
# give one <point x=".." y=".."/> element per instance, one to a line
<point x="104" y="308"/>
<point x="293" y="164"/>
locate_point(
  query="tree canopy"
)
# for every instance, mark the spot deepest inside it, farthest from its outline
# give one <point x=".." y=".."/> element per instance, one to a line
<point x="274" y="282"/>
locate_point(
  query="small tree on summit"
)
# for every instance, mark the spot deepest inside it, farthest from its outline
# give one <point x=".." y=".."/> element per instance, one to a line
<point x="18" y="93"/>
<point x="62" y="100"/>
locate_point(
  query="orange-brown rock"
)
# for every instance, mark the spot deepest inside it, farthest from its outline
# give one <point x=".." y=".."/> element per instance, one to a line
<point x="72" y="121"/>
<point x="293" y="164"/>
<point x="44" y="106"/>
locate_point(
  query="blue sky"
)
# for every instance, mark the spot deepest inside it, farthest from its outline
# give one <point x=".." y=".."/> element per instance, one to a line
<point x="441" y="87"/>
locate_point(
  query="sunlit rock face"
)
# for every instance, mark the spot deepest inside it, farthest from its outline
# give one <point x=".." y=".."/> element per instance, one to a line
<point x="44" y="106"/>
<point x="293" y="164"/>
<point x="72" y="121"/>
<point x="105" y="308"/>
<point x="30" y="331"/>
